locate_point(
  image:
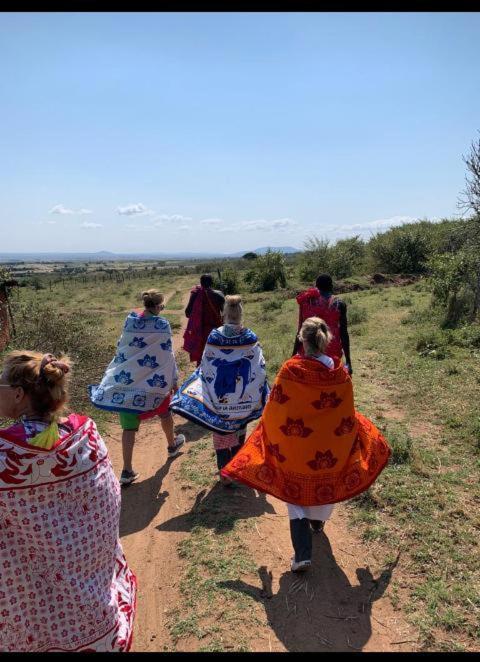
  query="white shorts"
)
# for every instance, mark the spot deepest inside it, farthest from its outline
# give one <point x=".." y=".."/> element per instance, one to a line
<point x="321" y="513"/>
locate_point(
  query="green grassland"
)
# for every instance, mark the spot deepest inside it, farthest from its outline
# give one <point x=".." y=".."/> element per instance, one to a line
<point x="420" y="385"/>
<point x="425" y="504"/>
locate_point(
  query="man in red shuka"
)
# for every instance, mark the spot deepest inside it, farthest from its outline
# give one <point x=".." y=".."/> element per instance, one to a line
<point x="319" y="302"/>
<point x="204" y="312"/>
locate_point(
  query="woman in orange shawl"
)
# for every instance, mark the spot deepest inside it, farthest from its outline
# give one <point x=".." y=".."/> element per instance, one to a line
<point x="311" y="448"/>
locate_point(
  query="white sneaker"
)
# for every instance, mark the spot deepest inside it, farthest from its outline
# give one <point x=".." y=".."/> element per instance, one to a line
<point x="179" y="440"/>
<point x="300" y="566"/>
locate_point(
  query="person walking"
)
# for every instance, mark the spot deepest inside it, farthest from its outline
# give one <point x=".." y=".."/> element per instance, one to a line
<point x="229" y="388"/>
<point x="319" y="302"/>
<point x="311" y="447"/>
<point x="204" y="312"/>
<point x="141" y="378"/>
<point x="65" y="583"/>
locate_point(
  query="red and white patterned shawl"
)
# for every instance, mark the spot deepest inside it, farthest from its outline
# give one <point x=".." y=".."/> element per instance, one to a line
<point x="64" y="581"/>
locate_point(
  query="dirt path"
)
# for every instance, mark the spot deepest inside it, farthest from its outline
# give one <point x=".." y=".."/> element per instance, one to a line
<point x="340" y="605"/>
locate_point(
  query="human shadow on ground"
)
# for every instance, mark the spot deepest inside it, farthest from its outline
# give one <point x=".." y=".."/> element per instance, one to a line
<point x="141" y="501"/>
<point x="320" y="610"/>
<point x="192" y="431"/>
<point x="219" y="508"/>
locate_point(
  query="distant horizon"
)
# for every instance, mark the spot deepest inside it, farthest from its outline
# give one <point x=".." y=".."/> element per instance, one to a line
<point x="211" y="131"/>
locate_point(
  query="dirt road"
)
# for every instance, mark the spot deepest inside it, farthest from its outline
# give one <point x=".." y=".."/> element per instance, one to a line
<point x="344" y="600"/>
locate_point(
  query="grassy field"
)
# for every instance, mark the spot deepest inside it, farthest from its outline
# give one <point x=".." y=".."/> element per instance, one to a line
<point x="85" y="320"/>
<point x="425" y="504"/>
<point x="421" y="387"/>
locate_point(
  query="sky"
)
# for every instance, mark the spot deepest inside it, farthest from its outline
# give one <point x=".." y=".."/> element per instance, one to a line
<point x="161" y="132"/>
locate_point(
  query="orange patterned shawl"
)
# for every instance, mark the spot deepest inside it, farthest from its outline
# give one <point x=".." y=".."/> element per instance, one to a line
<point x="311" y="447"/>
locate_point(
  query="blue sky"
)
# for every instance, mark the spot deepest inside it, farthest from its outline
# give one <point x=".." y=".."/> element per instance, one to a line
<point x="227" y="131"/>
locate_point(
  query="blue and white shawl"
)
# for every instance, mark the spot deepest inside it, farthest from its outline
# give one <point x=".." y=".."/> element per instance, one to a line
<point x="143" y="371"/>
<point x="229" y="388"/>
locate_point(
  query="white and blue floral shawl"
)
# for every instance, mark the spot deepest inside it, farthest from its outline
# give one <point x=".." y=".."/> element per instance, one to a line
<point x="229" y="388"/>
<point x="143" y="371"/>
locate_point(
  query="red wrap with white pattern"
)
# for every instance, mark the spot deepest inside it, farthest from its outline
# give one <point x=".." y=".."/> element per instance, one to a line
<point x="64" y="582"/>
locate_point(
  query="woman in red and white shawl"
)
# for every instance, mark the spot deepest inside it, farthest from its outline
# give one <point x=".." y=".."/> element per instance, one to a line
<point x="204" y="312"/>
<point x="64" y="582"/>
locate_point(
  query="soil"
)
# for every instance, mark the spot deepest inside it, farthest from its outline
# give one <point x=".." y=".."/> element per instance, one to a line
<point x="339" y="605"/>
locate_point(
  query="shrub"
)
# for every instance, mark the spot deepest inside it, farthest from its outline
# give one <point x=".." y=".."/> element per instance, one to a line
<point x="401" y="444"/>
<point x="405" y="301"/>
<point x="229" y="283"/>
<point x="267" y="273"/>
<point x="273" y="304"/>
<point x="434" y="344"/>
<point x="315" y="259"/>
<point x="356" y="314"/>
<point x="346" y="256"/>
<point x="403" y="249"/>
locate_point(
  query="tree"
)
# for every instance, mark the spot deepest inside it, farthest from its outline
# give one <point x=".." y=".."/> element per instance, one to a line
<point x="469" y="198"/>
<point x="316" y="258"/>
<point x="469" y="201"/>
<point x="250" y="256"/>
<point x="268" y="272"/>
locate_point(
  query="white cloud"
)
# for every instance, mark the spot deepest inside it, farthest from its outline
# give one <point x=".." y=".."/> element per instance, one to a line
<point x="89" y="224"/>
<point x="184" y="228"/>
<point x="278" y="224"/>
<point x="60" y="209"/>
<point x="211" y="221"/>
<point x="47" y="222"/>
<point x="132" y="210"/>
<point x="174" y="218"/>
<point x="364" y="230"/>
<point x="381" y="223"/>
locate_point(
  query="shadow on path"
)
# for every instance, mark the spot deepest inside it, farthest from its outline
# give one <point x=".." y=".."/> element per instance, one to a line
<point x="321" y="610"/>
<point x="192" y="431"/>
<point x="141" y="502"/>
<point x="220" y="508"/>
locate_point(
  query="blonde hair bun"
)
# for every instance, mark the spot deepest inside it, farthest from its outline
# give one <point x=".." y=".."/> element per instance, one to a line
<point x="233" y="309"/>
<point x="43" y="376"/>
<point x="316" y="334"/>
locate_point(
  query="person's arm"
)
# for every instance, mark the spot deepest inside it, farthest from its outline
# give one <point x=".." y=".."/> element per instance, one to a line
<point x="344" y="337"/>
<point x="296" y="344"/>
<point x="188" y="309"/>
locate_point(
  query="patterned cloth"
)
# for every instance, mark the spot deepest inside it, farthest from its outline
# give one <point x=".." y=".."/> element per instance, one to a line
<point x="64" y="582"/>
<point x="205" y="317"/>
<point x="229" y="388"/>
<point x="221" y="441"/>
<point x="143" y="371"/>
<point x="312" y="304"/>
<point x="311" y="447"/>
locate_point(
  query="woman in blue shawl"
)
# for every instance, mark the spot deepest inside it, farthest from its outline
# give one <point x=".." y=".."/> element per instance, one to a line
<point x="229" y="388"/>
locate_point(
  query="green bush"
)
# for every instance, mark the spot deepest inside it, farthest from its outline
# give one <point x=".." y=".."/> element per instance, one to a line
<point x="401" y="444"/>
<point x="356" y="314"/>
<point x="346" y="257"/>
<point x="316" y="259"/>
<point x="267" y="272"/>
<point x="434" y="344"/>
<point x="404" y="249"/>
<point x="229" y="283"/>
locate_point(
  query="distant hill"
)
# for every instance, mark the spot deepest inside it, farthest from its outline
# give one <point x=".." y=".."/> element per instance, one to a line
<point x="108" y="256"/>
<point x="264" y="249"/>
